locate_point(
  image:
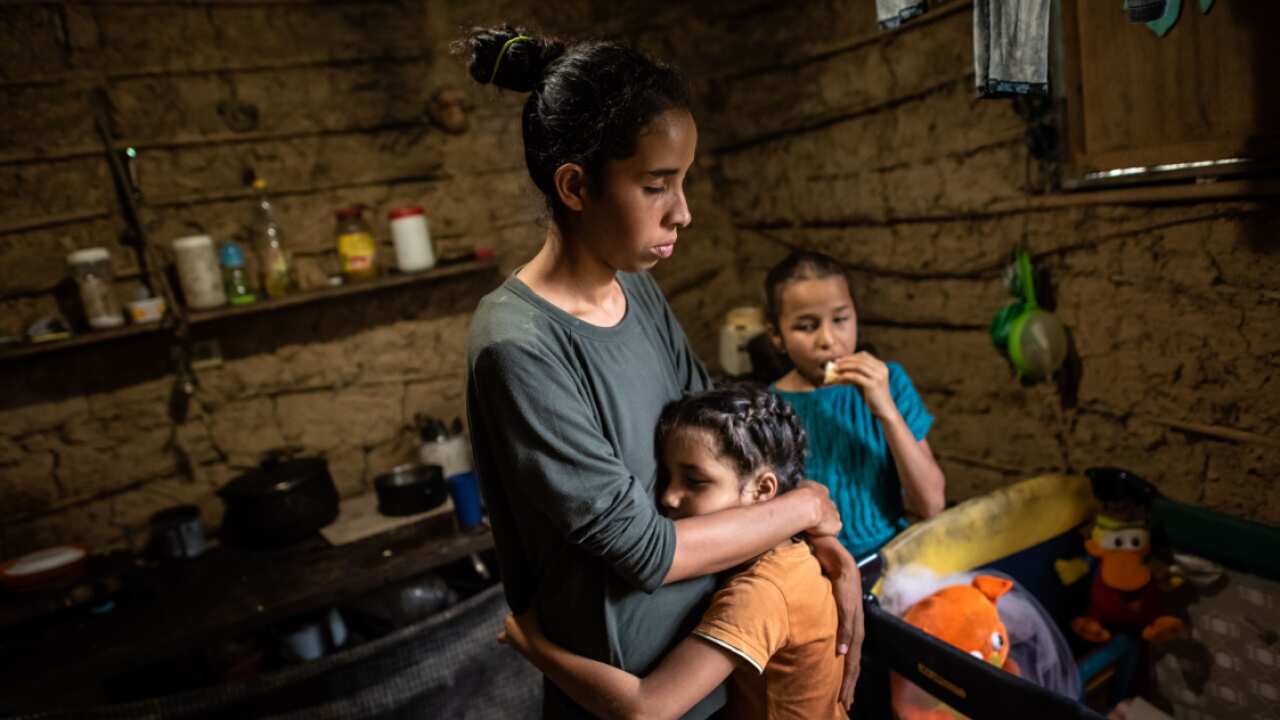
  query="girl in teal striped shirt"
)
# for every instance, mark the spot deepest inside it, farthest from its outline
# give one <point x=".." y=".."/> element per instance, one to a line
<point x="865" y="421"/>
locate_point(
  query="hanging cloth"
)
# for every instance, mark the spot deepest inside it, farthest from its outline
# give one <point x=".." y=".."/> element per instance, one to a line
<point x="892" y="13"/>
<point x="1011" y="47"/>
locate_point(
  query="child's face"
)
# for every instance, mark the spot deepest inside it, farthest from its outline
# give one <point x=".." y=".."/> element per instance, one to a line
<point x="817" y="323"/>
<point x="699" y="480"/>
<point x="633" y="222"/>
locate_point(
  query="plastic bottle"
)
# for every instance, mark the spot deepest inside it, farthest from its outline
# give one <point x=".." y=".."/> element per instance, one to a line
<point x="268" y="241"/>
<point x="234" y="278"/>
<point x="452" y="452"/>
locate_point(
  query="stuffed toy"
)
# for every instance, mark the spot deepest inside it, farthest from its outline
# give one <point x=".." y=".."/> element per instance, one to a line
<point x="965" y="617"/>
<point x="1123" y="595"/>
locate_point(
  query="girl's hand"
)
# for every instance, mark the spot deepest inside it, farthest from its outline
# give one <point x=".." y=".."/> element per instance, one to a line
<point x="871" y="376"/>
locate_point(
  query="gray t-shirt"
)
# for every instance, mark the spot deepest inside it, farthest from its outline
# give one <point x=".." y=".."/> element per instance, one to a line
<point x="563" y="415"/>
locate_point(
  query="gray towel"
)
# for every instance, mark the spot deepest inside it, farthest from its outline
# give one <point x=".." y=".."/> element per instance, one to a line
<point x="1011" y="47"/>
<point x="893" y="13"/>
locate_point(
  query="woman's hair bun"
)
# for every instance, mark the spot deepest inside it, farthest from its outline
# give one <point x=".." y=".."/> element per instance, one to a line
<point x="522" y="64"/>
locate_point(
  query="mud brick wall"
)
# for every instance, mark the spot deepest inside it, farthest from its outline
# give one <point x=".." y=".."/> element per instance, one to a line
<point x="816" y="131"/>
<point x="325" y="100"/>
<point x="821" y="132"/>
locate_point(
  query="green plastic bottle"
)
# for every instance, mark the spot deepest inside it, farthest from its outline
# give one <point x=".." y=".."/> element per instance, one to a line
<point x="234" y="277"/>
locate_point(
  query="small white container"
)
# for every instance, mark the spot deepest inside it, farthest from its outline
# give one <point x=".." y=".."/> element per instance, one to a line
<point x="412" y="239"/>
<point x="91" y="269"/>
<point x="146" y="310"/>
<point x="199" y="273"/>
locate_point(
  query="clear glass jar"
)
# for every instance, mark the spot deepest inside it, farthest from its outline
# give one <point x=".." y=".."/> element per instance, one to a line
<point x="91" y="269"/>
<point x="357" y="249"/>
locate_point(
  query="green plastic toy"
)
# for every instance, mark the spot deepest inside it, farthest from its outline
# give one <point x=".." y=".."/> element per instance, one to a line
<point x="1034" y="340"/>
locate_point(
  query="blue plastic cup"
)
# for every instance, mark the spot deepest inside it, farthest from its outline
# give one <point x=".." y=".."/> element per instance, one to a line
<point x="465" y="491"/>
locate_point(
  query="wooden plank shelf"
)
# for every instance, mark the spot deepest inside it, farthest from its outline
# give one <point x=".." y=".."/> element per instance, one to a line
<point x="393" y="280"/>
<point x="18" y="350"/>
<point x="198" y="317"/>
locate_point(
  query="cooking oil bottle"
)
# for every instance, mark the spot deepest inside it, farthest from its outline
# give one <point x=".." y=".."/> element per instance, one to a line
<point x="269" y="242"/>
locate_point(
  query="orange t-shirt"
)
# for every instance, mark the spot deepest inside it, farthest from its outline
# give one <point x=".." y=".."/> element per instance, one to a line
<point x="779" y="618"/>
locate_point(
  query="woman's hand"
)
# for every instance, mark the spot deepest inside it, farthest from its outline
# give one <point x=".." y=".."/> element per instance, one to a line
<point x="522" y="633"/>
<point x="828" y="515"/>
<point x="871" y="376"/>
<point x="846" y="582"/>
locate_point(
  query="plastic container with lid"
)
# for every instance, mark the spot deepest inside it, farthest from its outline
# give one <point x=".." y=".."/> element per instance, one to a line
<point x="91" y="269"/>
<point x="412" y="238"/>
<point x="198" y="272"/>
<point x="357" y="249"/>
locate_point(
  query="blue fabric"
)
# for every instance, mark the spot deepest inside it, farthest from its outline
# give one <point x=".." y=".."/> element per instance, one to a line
<point x="847" y="452"/>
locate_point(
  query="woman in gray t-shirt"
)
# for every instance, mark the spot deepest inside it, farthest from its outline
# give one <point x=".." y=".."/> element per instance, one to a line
<point x="573" y="357"/>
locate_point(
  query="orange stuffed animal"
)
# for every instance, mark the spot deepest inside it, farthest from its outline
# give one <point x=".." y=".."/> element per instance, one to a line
<point x="965" y="617"/>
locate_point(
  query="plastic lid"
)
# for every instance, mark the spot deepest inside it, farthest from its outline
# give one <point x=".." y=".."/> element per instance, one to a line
<point x="348" y="213"/>
<point x="192" y="241"/>
<point x="89" y="255"/>
<point x="405" y="212"/>
<point x="232" y="256"/>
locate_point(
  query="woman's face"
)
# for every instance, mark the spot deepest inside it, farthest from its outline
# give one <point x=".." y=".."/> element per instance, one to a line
<point x="699" y="480"/>
<point x="632" y="223"/>
<point x="817" y="323"/>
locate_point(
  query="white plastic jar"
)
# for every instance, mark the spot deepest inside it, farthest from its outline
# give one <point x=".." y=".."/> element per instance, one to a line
<point x="91" y="269"/>
<point x="412" y="239"/>
<point x="198" y="272"/>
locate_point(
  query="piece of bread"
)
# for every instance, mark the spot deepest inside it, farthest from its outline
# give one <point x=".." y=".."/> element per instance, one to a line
<point x="829" y="372"/>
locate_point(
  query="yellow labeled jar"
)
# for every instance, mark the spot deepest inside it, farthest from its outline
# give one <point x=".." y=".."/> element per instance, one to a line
<point x="357" y="249"/>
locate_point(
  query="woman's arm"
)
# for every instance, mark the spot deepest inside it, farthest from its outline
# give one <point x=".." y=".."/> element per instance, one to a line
<point x="686" y="675"/>
<point x="846" y="583"/>
<point x="559" y="465"/>
<point x="707" y="544"/>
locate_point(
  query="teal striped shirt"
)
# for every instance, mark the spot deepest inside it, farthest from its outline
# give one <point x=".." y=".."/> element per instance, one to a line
<point x="847" y="452"/>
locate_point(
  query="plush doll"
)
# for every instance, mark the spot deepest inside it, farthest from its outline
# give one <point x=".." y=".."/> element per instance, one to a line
<point x="965" y="617"/>
<point x="1123" y="595"/>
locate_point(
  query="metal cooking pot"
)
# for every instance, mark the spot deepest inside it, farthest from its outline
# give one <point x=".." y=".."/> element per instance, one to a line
<point x="280" y="502"/>
<point x="410" y="489"/>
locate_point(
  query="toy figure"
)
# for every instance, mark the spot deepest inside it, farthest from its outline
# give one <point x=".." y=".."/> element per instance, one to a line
<point x="965" y="617"/>
<point x="1123" y="595"/>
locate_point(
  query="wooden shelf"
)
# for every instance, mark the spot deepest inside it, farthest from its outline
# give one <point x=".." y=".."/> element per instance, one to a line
<point x="208" y="316"/>
<point x="197" y="317"/>
<point x="11" y="352"/>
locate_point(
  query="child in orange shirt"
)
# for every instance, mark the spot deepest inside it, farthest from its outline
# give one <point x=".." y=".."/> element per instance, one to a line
<point x="772" y="626"/>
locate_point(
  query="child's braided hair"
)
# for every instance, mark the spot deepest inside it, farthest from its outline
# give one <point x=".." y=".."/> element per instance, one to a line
<point x="754" y="428"/>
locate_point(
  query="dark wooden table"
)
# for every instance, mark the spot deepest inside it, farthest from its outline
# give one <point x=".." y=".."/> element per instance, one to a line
<point x="184" y="605"/>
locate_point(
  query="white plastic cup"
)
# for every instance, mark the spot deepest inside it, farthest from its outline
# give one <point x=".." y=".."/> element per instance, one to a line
<point x="199" y="273"/>
<point x="412" y="239"/>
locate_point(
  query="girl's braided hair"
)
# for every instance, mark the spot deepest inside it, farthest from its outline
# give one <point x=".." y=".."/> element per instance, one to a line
<point x="754" y="428"/>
